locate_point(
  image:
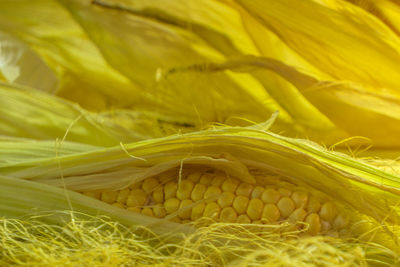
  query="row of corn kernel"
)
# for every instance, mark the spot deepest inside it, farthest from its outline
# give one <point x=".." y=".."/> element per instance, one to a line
<point x="205" y="194"/>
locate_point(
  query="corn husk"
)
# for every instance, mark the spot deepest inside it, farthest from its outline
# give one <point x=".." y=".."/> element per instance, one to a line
<point x="363" y="187"/>
<point x="344" y="81"/>
<point x="28" y="113"/>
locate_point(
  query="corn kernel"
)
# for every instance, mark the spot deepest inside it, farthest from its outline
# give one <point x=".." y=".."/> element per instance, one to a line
<point x="184" y="189"/>
<point x="212" y="192"/>
<point x="147" y="211"/>
<point x="244" y="189"/>
<point x="137" y="197"/>
<point x="194" y="177"/>
<point x="109" y="196"/>
<point x="198" y="192"/>
<point x="159" y="211"/>
<point x="297" y="216"/>
<point x="185" y="211"/>
<point x="170" y="189"/>
<point x="134" y="209"/>
<point x="212" y="210"/>
<point x="206" y="178"/>
<point x="284" y="192"/>
<point x="171" y="205"/>
<point x="300" y="199"/>
<point x="218" y="180"/>
<point x="257" y="192"/>
<point x="271" y="213"/>
<point x="158" y="195"/>
<point x="340" y="222"/>
<point x="226" y="199"/>
<point x="123" y="195"/>
<point x="313" y="205"/>
<point x="286" y="206"/>
<point x="197" y="211"/>
<point x="328" y="211"/>
<point x="243" y="219"/>
<point x="149" y="185"/>
<point x="230" y="185"/>
<point x="240" y="204"/>
<point x="255" y="209"/>
<point x="270" y="196"/>
<point x="228" y="214"/>
<point x="314" y="223"/>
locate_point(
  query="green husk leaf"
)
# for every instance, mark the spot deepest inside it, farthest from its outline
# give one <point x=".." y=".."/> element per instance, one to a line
<point x="32" y="114"/>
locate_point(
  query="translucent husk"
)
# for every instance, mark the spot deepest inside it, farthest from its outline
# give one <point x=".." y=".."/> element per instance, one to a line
<point x="26" y="198"/>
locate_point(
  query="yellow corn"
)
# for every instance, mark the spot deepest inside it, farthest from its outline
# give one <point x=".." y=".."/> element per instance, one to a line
<point x="226" y="199"/>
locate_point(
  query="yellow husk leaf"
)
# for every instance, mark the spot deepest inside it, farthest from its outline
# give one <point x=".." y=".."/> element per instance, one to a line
<point x="28" y="113"/>
<point x="343" y="83"/>
<point x="367" y="107"/>
<point x="68" y="57"/>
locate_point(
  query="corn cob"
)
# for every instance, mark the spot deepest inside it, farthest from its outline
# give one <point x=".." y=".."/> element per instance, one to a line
<point x="213" y="194"/>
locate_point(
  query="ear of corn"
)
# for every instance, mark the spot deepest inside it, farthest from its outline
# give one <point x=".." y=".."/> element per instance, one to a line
<point x="327" y="192"/>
